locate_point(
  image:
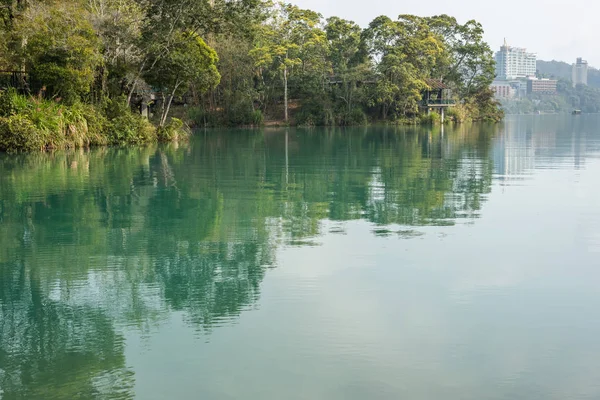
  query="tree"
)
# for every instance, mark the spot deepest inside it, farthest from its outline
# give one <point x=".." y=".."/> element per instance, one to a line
<point x="405" y="53"/>
<point x="348" y="57"/>
<point x="190" y="61"/>
<point x="119" y="25"/>
<point x="292" y="38"/>
<point x="60" y="48"/>
<point x="469" y="66"/>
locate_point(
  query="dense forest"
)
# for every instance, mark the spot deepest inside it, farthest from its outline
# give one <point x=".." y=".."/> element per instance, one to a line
<point x="86" y="72"/>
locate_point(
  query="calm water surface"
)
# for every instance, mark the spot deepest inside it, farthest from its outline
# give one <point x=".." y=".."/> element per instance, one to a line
<point x="373" y="263"/>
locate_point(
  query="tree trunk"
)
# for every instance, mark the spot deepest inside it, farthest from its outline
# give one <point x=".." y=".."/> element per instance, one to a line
<point x="348" y="98"/>
<point x="163" y="120"/>
<point x="131" y="93"/>
<point x="285" y="92"/>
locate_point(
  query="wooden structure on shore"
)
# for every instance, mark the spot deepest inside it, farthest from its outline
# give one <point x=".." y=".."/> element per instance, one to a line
<point x="437" y="97"/>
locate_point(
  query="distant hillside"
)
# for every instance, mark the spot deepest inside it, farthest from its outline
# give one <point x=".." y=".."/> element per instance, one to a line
<point x="562" y="70"/>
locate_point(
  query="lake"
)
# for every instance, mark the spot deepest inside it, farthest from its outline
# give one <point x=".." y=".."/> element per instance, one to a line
<point x="366" y="263"/>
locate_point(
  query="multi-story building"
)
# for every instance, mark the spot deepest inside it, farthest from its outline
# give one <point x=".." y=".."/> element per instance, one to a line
<point x="503" y="90"/>
<point x="541" y="86"/>
<point x="514" y="63"/>
<point x="580" y="72"/>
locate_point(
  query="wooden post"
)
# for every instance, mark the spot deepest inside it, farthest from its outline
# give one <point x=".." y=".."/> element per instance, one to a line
<point x="144" y="110"/>
<point x="442" y="114"/>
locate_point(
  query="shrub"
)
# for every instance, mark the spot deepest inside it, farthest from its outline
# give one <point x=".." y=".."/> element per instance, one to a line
<point x="314" y="114"/>
<point x="257" y="118"/>
<point x="236" y="115"/>
<point x="174" y="130"/>
<point x="241" y="114"/>
<point x="356" y="117"/>
<point x="29" y="123"/>
<point x="200" y="117"/>
<point x="306" y="119"/>
<point x="458" y="114"/>
<point x="18" y="133"/>
<point x="125" y="127"/>
<point x="432" y="118"/>
<point x="97" y="125"/>
<point x="11" y="103"/>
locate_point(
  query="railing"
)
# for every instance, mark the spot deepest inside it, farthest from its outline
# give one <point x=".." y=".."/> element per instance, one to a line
<point x="439" y="102"/>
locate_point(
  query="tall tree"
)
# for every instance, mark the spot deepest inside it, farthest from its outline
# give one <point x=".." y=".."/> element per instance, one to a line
<point x="348" y="57"/>
<point x="405" y="53"/>
<point x="190" y="61"/>
<point x="118" y="24"/>
<point x="292" y="42"/>
<point x="60" y="48"/>
<point x="469" y="65"/>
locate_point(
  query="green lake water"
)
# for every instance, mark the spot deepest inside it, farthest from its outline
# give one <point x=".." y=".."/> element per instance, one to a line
<point x="372" y="263"/>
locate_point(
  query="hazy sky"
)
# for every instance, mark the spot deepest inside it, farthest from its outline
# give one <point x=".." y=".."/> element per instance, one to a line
<point x="561" y="30"/>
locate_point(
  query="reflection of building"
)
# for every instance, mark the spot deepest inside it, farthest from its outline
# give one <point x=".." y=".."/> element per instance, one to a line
<point x="580" y="72"/>
<point x="513" y="152"/>
<point x="503" y="90"/>
<point x="529" y="143"/>
<point x="514" y="63"/>
<point x="542" y="86"/>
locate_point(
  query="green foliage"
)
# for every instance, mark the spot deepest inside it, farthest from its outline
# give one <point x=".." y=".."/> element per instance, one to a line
<point x="232" y="116"/>
<point x="315" y="113"/>
<point x="201" y="117"/>
<point x="457" y="114"/>
<point x="432" y="118"/>
<point x="584" y="98"/>
<point x="408" y="51"/>
<point x="61" y="49"/>
<point x="189" y="61"/>
<point x="232" y="63"/>
<point x="18" y="133"/>
<point x="257" y="118"/>
<point x="173" y="131"/>
<point x="125" y="127"/>
<point x="568" y="98"/>
<point x="484" y="107"/>
<point x="356" y="117"/>
<point x="11" y="103"/>
<point x="30" y="123"/>
<point x="468" y="64"/>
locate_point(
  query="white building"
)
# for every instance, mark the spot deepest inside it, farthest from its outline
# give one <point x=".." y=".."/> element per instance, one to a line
<point x="580" y="72"/>
<point x="514" y="63"/>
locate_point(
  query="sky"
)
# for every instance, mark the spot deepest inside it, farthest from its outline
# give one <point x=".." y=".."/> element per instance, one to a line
<point x="555" y="30"/>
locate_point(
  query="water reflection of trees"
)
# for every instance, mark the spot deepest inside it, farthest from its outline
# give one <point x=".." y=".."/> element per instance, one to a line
<point x="93" y="240"/>
<point x="50" y="349"/>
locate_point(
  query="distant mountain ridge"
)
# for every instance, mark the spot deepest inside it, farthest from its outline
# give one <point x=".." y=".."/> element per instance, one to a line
<point x="562" y="70"/>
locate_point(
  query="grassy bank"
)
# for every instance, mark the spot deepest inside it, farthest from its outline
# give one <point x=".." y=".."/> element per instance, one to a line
<point x="29" y="123"/>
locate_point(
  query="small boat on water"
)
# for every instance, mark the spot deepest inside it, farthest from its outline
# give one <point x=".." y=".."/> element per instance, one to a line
<point x="576" y="112"/>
